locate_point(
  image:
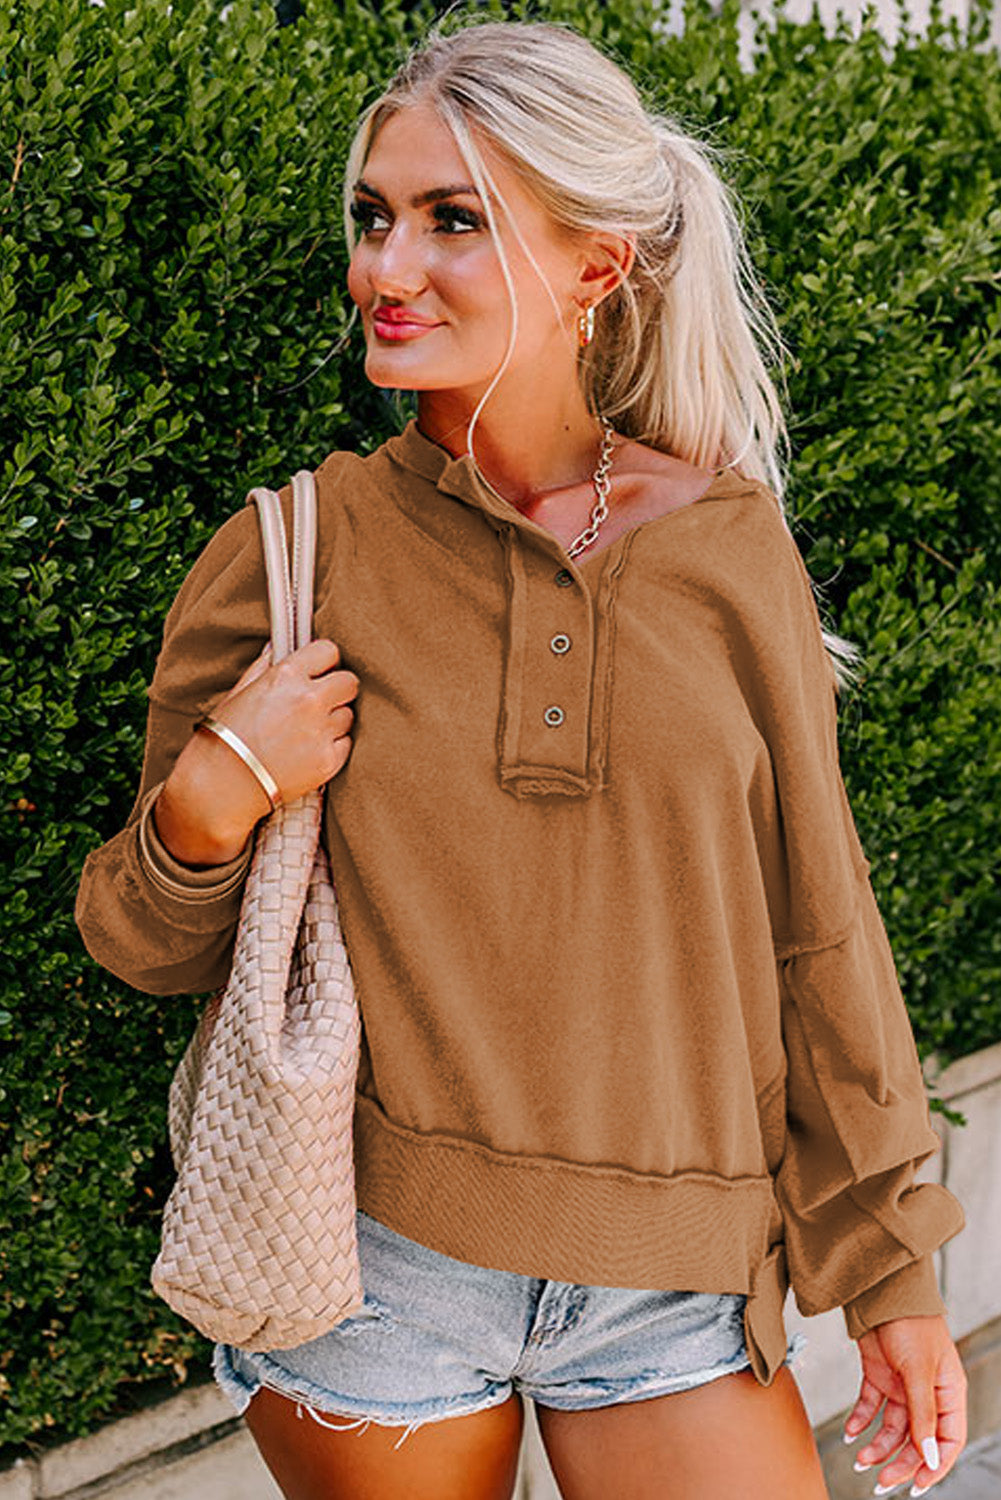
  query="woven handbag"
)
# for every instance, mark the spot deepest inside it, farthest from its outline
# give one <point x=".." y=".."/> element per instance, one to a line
<point x="258" y="1245"/>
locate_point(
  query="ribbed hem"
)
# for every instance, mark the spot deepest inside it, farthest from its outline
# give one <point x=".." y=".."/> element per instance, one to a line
<point x="542" y="1216"/>
<point x="595" y="1225"/>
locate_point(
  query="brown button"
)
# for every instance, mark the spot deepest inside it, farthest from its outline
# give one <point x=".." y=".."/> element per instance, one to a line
<point x="564" y="578"/>
<point x="554" y="715"/>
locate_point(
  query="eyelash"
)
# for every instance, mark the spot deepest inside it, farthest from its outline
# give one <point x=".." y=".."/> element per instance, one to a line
<point x="363" y="214"/>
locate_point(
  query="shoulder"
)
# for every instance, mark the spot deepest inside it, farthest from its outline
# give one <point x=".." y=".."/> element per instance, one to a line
<point x="233" y="557"/>
<point x="340" y="480"/>
<point x="348" y="485"/>
<point x="219" y="612"/>
<point x="335" y="473"/>
<point x="343" y="467"/>
<point x="745" y="540"/>
<point x="219" y="617"/>
<point x="744" y="559"/>
<point x="223" y="568"/>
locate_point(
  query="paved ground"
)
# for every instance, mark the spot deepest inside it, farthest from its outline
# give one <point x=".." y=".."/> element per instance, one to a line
<point x="232" y="1470"/>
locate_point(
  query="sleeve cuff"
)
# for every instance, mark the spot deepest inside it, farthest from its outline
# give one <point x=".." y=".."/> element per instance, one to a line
<point x="908" y="1293"/>
<point x="180" y="880"/>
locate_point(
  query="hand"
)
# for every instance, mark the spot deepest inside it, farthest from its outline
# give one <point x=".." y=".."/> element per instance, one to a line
<point x="912" y="1364"/>
<point x="256" y="668"/>
<point x="295" y="716"/>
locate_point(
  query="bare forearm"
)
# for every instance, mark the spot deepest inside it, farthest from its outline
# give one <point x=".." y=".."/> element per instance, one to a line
<point x="195" y="815"/>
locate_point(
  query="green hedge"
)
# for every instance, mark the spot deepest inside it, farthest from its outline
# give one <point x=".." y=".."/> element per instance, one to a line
<point x="172" y="298"/>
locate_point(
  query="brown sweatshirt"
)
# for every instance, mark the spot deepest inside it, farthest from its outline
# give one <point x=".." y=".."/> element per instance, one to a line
<point x="630" y="1015"/>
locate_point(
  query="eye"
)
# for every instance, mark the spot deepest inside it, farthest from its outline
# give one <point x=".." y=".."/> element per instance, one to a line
<point x="452" y="213"/>
<point x="449" y="217"/>
<point x="363" y="214"/>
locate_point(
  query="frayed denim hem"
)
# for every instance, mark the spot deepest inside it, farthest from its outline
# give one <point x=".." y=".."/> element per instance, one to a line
<point x="240" y="1391"/>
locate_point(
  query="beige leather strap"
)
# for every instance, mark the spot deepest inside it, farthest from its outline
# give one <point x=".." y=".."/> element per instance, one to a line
<point x="290" y="598"/>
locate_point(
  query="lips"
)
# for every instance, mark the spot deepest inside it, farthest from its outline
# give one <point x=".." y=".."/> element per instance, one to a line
<point x="401" y="315"/>
<point x="384" y="316"/>
<point x="395" y="326"/>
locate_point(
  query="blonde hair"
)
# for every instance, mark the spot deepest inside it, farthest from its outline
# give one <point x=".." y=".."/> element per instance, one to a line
<point x="678" y="358"/>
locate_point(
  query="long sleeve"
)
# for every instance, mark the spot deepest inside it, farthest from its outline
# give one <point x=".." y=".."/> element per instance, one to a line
<point x="859" y="1231"/>
<point x="163" y="927"/>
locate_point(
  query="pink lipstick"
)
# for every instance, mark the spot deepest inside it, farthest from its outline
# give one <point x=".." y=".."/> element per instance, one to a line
<point x="395" y="325"/>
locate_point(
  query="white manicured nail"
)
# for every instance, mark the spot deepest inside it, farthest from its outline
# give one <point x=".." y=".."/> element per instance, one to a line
<point x="850" y="1437"/>
<point x="884" y="1489"/>
<point x="915" y="1491"/>
<point x="929" y="1447"/>
<point x="860" y="1467"/>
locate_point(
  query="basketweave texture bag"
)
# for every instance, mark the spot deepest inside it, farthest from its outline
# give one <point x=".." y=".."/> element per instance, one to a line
<point x="259" y="1245"/>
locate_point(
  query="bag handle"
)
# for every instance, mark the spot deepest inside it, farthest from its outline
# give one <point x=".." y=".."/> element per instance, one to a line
<point x="290" y="601"/>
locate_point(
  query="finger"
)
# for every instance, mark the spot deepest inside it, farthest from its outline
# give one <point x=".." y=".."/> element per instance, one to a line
<point x="256" y="668"/>
<point x="951" y="1429"/>
<point x="949" y="1450"/>
<point x="341" y="720"/>
<point x="903" y="1466"/>
<point x="952" y="1413"/>
<point x="320" y="655"/>
<point x="922" y="1412"/>
<point x="892" y="1432"/>
<point x="869" y="1401"/>
<point x="260" y="664"/>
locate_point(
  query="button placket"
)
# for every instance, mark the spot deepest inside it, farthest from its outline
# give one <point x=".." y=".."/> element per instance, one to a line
<point x="548" y="675"/>
<point x="559" y="644"/>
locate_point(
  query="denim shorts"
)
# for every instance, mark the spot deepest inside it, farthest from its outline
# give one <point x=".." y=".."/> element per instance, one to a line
<point x="437" y="1337"/>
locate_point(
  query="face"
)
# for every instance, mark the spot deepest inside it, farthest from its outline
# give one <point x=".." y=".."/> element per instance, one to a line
<point x="431" y="261"/>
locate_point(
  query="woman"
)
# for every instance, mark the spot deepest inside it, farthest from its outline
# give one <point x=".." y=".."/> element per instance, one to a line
<point x="634" y="1050"/>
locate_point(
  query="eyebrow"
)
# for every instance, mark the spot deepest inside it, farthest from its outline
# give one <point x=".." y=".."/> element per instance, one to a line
<point x="433" y="195"/>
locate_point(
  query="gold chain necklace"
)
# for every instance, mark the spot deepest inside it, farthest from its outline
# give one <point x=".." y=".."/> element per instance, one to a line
<point x="601" y="488"/>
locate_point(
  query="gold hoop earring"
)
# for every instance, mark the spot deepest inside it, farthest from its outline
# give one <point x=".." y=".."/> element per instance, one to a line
<point x="585" y="327"/>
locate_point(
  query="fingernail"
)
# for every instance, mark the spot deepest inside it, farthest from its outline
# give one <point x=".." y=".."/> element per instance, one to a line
<point x="884" y="1489"/>
<point x="850" y="1437"/>
<point x="929" y="1447"/>
<point x="915" y="1491"/>
<point x="860" y="1467"/>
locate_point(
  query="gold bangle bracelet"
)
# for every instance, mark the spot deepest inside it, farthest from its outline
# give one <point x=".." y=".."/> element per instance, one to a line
<point x="233" y="740"/>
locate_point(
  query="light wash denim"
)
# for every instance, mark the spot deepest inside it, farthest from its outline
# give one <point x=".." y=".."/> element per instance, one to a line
<point x="437" y="1337"/>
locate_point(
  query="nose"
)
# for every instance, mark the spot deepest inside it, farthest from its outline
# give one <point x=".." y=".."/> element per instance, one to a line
<point x="396" y="267"/>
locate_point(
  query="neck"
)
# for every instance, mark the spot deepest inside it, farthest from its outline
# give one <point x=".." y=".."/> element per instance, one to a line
<point x="523" y="453"/>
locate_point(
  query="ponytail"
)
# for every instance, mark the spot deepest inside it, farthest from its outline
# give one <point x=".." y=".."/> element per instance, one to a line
<point x="682" y="347"/>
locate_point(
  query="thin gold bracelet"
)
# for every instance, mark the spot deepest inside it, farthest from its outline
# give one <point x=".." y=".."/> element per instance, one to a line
<point x="233" y="740"/>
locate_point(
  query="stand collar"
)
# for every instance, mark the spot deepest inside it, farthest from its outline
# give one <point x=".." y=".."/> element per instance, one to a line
<point x="461" y="477"/>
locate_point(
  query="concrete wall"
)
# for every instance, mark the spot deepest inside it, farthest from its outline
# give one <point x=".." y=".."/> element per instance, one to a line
<point x="918" y="10"/>
<point x="801" y="10"/>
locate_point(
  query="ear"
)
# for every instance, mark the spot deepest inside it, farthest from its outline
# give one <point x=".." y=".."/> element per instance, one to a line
<point x="604" y="265"/>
